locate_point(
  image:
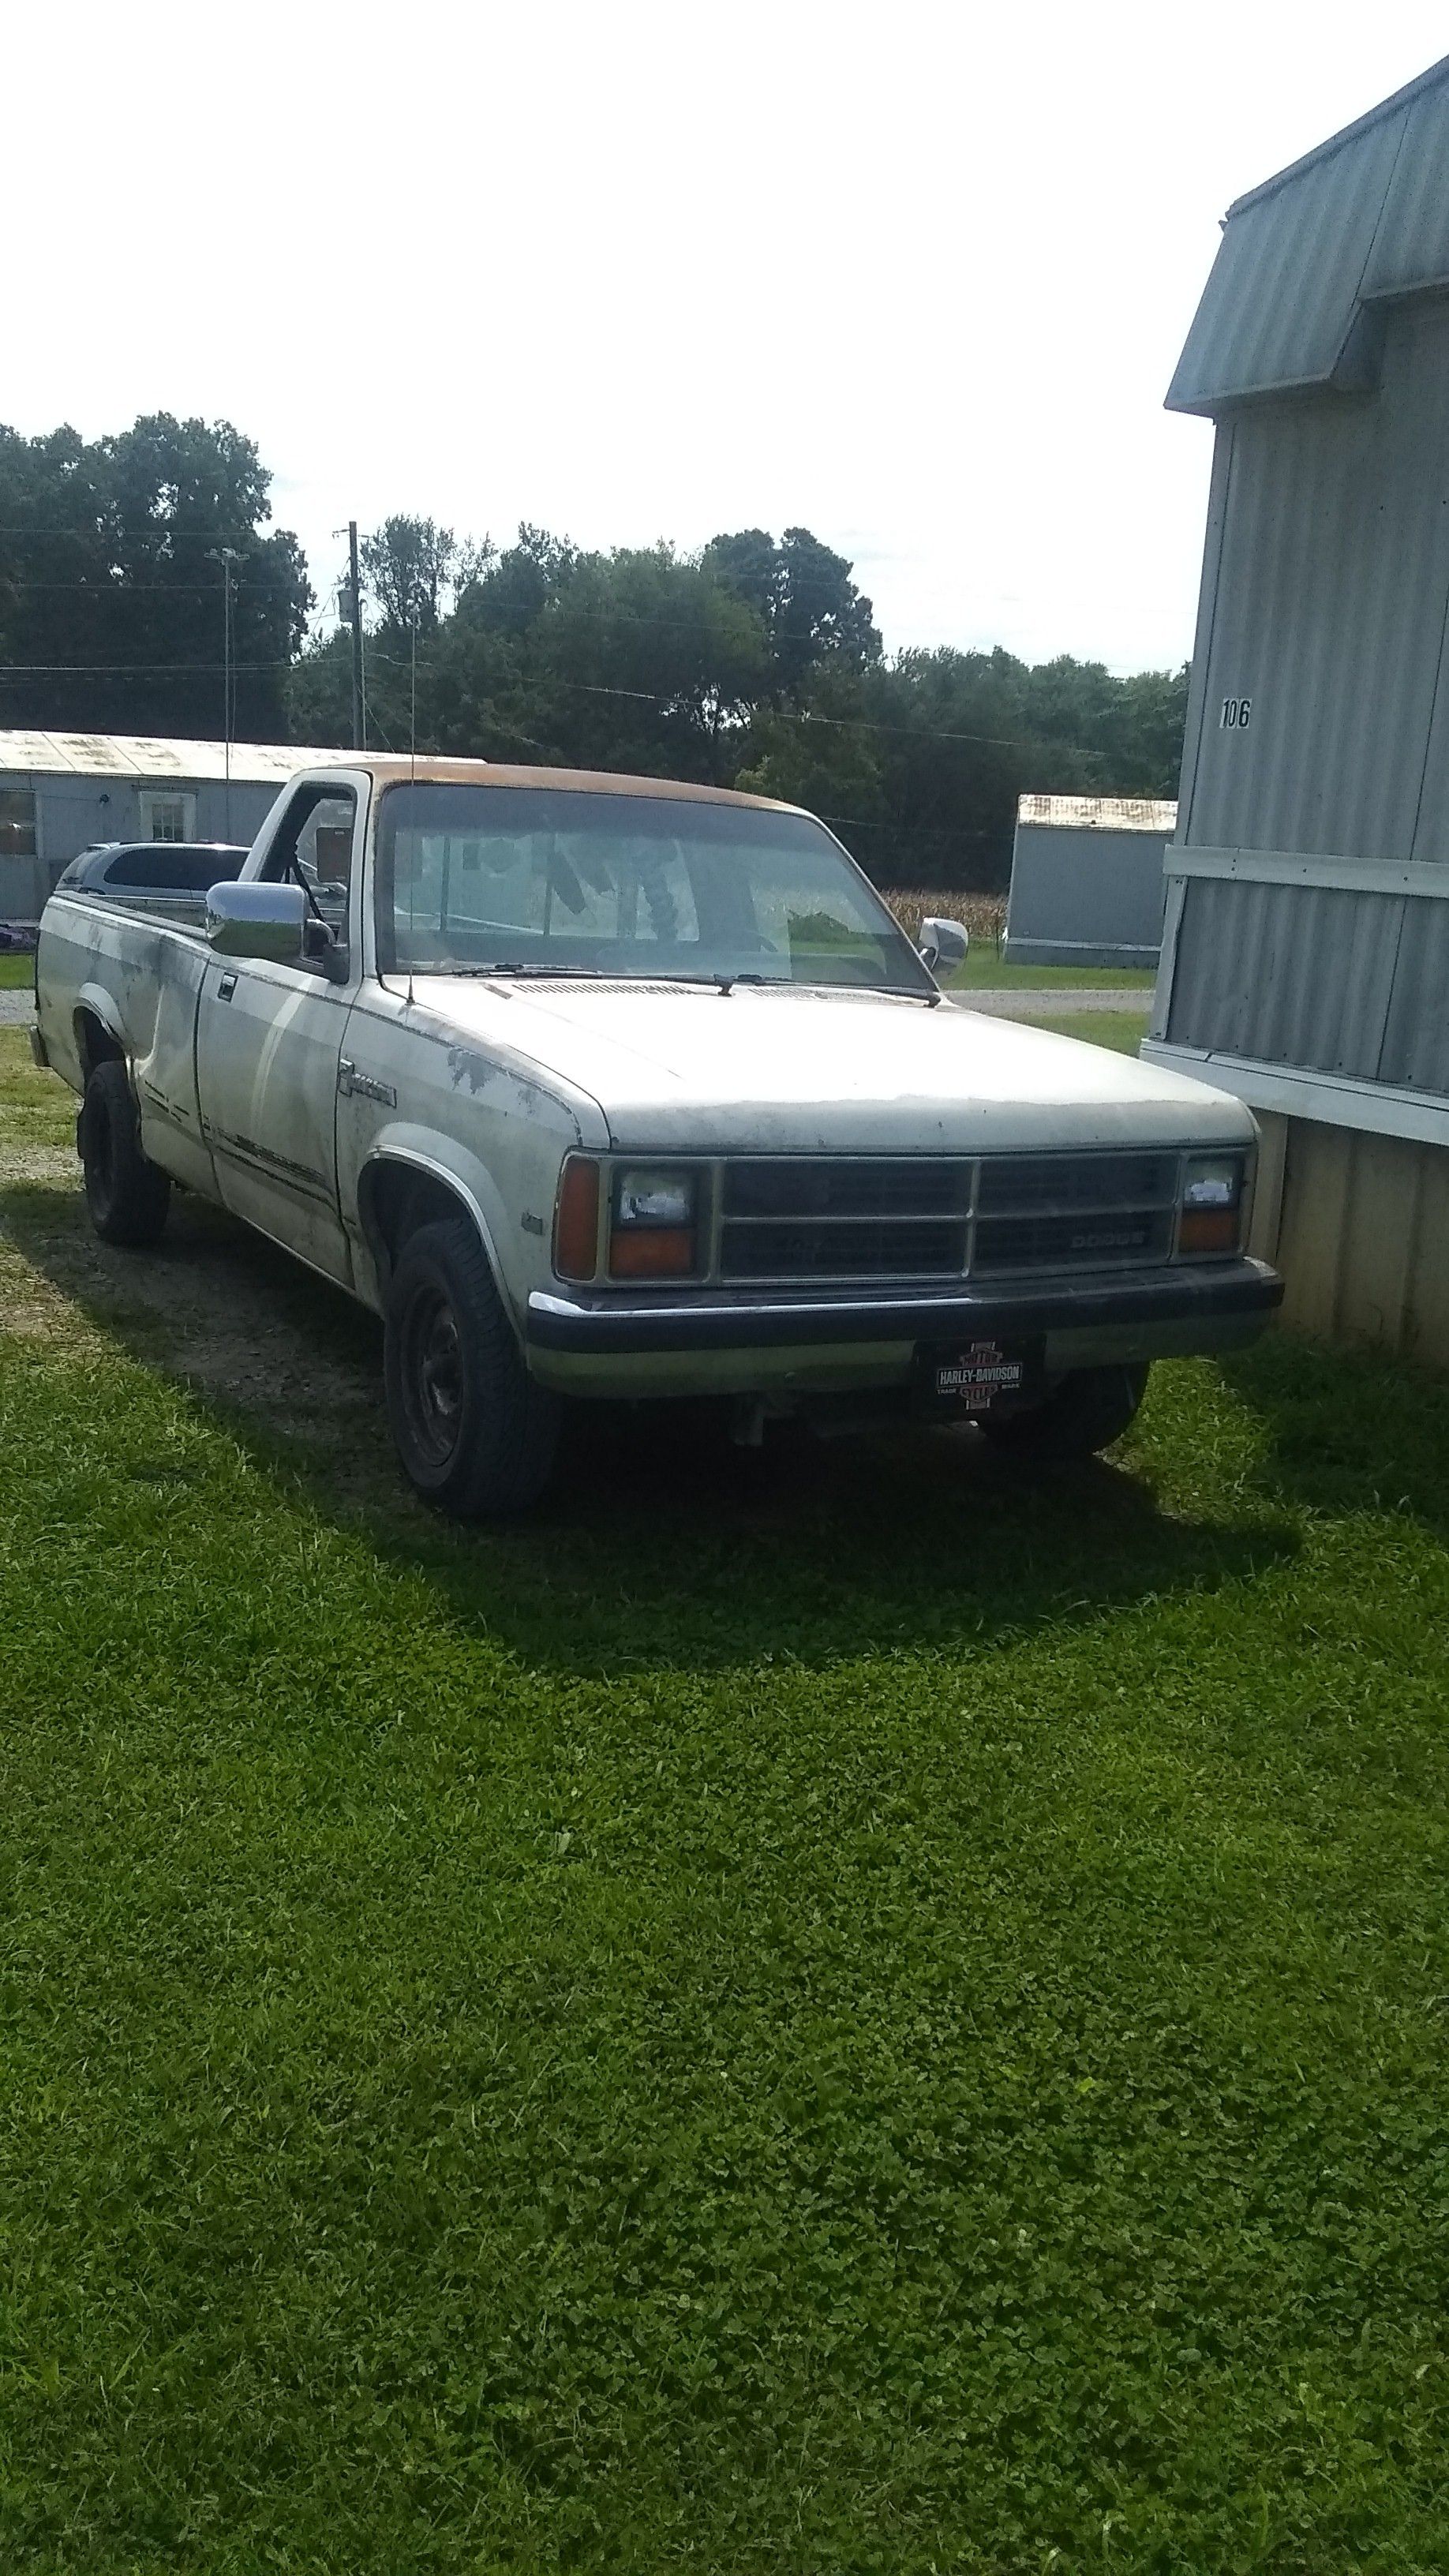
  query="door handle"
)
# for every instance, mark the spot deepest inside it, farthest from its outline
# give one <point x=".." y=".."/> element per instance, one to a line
<point x="226" y="988"/>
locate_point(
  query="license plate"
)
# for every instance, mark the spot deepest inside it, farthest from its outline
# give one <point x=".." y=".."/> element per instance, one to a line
<point x="976" y="1375"/>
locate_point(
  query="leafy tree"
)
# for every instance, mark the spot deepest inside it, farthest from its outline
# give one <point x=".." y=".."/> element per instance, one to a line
<point x="825" y="756"/>
<point x="508" y="592"/>
<point x="757" y="664"/>
<point x="658" y="657"/>
<point x="111" y="581"/>
<point x="811" y="610"/>
<point x="319" y="692"/>
<point x="412" y="566"/>
<point x="959" y="744"/>
<point x="1134" y="727"/>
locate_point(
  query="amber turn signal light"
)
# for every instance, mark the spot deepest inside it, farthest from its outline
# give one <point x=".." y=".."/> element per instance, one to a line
<point x="576" y="1220"/>
<point x="1208" y="1229"/>
<point x="654" y="1252"/>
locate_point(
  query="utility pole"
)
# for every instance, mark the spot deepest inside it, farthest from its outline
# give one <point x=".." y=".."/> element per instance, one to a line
<point x="359" y="700"/>
<point x="226" y="556"/>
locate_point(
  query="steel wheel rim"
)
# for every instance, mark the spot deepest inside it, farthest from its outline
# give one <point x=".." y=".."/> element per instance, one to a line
<point x="433" y="1377"/>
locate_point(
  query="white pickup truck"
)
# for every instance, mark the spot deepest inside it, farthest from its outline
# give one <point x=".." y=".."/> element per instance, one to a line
<point x="601" y="1086"/>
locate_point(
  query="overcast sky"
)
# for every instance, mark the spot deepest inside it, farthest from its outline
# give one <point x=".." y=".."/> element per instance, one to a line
<point x="912" y="275"/>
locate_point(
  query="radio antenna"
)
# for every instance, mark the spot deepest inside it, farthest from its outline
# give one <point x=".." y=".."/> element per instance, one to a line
<point x="412" y="782"/>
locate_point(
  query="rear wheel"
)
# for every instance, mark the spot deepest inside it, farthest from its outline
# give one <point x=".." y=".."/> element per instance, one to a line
<point x="1087" y="1412"/>
<point x="127" y="1195"/>
<point x="475" y="1434"/>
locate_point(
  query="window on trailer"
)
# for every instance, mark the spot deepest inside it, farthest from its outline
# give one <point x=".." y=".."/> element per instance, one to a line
<point x="168" y="818"/>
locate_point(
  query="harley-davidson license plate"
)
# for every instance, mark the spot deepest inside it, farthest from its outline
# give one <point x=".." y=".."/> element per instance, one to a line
<point x="977" y="1375"/>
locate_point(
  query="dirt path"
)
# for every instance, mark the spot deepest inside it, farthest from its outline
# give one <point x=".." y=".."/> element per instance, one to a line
<point x="213" y="1305"/>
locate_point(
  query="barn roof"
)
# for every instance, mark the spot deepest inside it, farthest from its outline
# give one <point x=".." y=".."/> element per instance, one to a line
<point x="148" y="757"/>
<point x="1099" y="813"/>
<point x="1309" y="260"/>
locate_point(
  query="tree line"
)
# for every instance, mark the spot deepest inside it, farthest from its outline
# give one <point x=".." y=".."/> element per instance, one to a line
<point x="754" y="663"/>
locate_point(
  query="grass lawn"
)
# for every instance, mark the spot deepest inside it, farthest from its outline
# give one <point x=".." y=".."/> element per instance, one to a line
<point x="846" y="2010"/>
<point x="17" y="973"/>
<point x="1122" y="1030"/>
<point x="985" y="971"/>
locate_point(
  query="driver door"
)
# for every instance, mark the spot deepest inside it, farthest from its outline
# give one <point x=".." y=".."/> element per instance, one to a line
<point x="268" y="1041"/>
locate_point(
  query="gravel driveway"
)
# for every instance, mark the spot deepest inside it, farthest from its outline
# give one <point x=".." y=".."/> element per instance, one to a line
<point x="1056" y="1002"/>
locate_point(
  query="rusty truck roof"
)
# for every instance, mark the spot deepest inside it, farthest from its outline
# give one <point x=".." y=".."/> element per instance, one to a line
<point x="389" y="769"/>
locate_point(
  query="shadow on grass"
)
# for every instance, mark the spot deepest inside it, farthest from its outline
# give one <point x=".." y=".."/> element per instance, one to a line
<point x="660" y="1546"/>
<point x="1347" y="1430"/>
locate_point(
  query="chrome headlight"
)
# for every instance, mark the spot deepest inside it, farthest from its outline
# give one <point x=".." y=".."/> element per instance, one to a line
<point x="654" y="1233"/>
<point x="1210" y="1217"/>
<point x="644" y="1197"/>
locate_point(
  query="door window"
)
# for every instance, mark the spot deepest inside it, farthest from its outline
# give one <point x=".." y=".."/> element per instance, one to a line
<point x="313" y="846"/>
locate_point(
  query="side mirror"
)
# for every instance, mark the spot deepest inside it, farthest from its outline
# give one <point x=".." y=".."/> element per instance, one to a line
<point x="258" y="920"/>
<point x="943" y="944"/>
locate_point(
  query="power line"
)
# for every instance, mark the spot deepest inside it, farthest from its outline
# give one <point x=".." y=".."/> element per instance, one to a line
<point x="848" y="724"/>
<point x="114" y="670"/>
<point x="101" y="588"/>
<point x="588" y="688"/>
<point x="165" y="531"/>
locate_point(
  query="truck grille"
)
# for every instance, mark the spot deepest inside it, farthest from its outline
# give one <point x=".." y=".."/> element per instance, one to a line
<point x="1073" y="1211"/>
<point x="793" y="1220"/>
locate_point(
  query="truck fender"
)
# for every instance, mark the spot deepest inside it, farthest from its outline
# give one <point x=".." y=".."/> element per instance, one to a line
<point x="393" y="1157"/>
<point x="94" y="1003"/>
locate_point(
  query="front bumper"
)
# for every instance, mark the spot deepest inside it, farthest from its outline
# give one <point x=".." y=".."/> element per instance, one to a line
<point x="584" y="1337"/>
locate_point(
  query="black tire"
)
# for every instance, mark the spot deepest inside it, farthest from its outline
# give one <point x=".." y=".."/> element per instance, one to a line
<point x="127" y="1196"/>
<point x="475" y="1434"/>
<point x="1087" y="1412"/>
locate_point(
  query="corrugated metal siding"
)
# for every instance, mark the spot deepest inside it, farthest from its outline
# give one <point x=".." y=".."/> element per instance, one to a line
<point x="1362" y="1237"/>
<point x="1299" y="975"/>
<point x="1088" y="889"/>
<point x="1217" y="518"/>
<point x="1416" y="1038"/>
<point x="1411" y="245"/>
<point x="1325" y="592"/>
<point x="1328" y="611"/>
<point x="1280" y="306"/>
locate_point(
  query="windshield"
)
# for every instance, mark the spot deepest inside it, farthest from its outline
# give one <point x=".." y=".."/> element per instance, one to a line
<point x="566" y="880"/>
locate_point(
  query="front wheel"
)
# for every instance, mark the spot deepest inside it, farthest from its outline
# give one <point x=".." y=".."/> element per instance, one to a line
<point x="1088" y="1411"/>
<point x="475" y="1434"/>
<point x="127" y="1194"/>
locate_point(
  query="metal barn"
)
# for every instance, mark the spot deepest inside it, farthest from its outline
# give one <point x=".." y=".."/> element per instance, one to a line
<point x="60" y="792"/>
<point x="1305" y="961"/>
<point x="1087" y="885"/>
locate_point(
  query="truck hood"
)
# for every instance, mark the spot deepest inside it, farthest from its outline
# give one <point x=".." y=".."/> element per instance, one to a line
<point x="780" y="1070"/>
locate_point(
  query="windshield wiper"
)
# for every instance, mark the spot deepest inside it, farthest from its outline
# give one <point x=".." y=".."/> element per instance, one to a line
<point x="515" y="966"/>
<point x="533" y="969"/>
<point x="590" y="974"/>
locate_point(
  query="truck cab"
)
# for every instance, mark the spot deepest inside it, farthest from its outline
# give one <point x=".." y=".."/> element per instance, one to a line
<point x="597" y="1086"/>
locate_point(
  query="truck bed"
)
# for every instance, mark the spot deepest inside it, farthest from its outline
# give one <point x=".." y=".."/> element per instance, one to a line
<point x="137" y="976"/>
